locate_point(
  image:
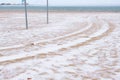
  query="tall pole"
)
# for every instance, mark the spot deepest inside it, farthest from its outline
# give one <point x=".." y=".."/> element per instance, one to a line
<point x="26" y="16"/>
<point x="47" y="12"/>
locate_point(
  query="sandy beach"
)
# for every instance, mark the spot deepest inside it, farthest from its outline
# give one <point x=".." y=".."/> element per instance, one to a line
<point x="73" y="46"/>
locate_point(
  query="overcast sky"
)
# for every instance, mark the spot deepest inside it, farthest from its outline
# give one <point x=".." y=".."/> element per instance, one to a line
<point x="70" y="2"/>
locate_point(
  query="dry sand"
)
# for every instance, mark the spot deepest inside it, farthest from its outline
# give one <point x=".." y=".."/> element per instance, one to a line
<point x="73" y="46"/>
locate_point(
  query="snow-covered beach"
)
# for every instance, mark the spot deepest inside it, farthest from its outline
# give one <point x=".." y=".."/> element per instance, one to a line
<point x="73" y="46"/>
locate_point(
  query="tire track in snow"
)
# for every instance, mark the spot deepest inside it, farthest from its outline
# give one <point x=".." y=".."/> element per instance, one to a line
<point x="84" y="33"/>
<point x="43" y="41"/>
<point x="16" y="58"/>
<point x="41" y="55"/>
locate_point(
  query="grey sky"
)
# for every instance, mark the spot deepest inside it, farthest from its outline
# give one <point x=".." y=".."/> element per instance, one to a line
<point x="70" y="2"/>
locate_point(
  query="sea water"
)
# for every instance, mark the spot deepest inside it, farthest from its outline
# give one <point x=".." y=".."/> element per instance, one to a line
<point x="61" y="8"/>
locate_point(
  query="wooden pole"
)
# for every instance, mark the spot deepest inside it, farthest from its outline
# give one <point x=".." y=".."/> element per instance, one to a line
<point x="26" y="16"/>
<point x="47" y="12"/>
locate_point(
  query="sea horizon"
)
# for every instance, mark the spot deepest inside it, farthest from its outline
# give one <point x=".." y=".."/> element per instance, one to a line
<point x="61" y="8"/>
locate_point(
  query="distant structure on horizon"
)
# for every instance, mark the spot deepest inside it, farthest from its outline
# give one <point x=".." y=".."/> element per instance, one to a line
<point x="22" y="3"/>
<point x="5" y="3"/>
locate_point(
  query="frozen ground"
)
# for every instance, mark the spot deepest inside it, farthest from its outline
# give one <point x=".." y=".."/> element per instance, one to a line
<point x="73" y="46"/>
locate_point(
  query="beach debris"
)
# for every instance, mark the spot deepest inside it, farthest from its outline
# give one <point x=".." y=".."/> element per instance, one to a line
<point x="29" y="78"/>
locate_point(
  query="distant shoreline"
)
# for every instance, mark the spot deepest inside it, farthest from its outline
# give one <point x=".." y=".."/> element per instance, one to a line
<point x="61" y="8"/>
<point x="60" y="11"/>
